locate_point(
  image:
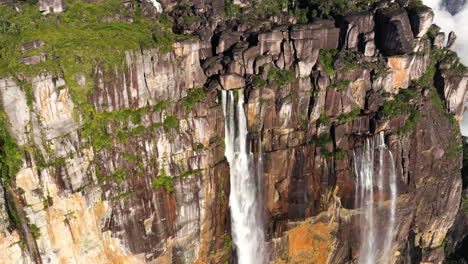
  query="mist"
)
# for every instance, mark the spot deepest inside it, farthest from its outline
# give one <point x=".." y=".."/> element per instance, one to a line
<point x="458" y="24"/>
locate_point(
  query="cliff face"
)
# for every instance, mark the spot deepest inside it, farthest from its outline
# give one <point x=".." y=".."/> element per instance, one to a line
<point x="137" y="174"/>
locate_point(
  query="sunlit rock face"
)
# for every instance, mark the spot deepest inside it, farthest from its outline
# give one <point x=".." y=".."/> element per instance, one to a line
<point x="142" y="172"/>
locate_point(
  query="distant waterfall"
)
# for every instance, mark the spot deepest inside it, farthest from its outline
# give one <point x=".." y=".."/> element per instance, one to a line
<point x="372" y="181"/>
<point x="247" y="227"/>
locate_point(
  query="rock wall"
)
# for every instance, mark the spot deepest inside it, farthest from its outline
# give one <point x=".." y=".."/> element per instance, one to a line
<point x="139" y="174"/>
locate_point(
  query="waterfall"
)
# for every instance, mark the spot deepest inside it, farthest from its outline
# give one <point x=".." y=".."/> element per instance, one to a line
<point x="375" y="248"/>
<point x="247" y="227"/>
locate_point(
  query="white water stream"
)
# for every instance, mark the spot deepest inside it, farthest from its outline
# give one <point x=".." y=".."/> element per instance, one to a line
<point x="247" y="227"/>
<point x="372" y="181"/>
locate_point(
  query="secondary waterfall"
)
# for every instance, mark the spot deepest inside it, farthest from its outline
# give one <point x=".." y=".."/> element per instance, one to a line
<point x="375" y="180"/>
<point x="247" y="228"/>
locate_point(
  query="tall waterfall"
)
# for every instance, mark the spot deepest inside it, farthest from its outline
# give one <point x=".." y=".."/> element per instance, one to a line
<point x="372" y="181"/>
<point x="247" y="228"/>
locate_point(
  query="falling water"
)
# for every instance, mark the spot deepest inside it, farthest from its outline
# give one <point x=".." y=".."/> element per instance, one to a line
<point x="247" y="228"/>
<point x="375" y="248"/>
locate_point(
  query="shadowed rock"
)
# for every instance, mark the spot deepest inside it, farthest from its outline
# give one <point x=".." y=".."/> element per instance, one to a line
<point x="393" y="32"/>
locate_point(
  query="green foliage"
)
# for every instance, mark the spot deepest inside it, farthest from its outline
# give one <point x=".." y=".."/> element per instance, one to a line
<point x="171" y="122"/>
<point x="268" y="8"/>
<point x="340" y="85"/>
<point x="160" y="105"/>
<point x="186" y="174"/>
<point x="119" y="175"/>
<point x="121" y="196"/>
<point x="433" y="30"/>
<point x="453" y="150"/>
<point x="77" y="41"/>
<point x="47" y="202"/>
<point x="323" y="120"/>
<point x="129" y="156"/>
<point x="326" y="59"/>
<point x="258" y="81"/>
<point x="353" y="115"/>
<point x="232" y="10"/>
<point x="10" y="153"/>
<point x="58" y="162"/>
<point x="281" y="77"/>
<point x="415" y="3"/>
<point x="340" y="154"/>
<point x="337" y="7"/>
<point x="35" y="231"/>
<point x="227" y="243"/>
<point x="409" y="123"/>
<point x="167" y="182"/>
<point x="163" y="180"/>
<point x="198" y="147"/>
<point x="399" y="105"/>
<point x="323" y="139"/>
<point x="188" y="20"/>
<point x="194" y="96"/>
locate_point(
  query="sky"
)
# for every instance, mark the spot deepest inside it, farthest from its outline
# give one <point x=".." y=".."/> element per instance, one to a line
<point x="458" y="24"/>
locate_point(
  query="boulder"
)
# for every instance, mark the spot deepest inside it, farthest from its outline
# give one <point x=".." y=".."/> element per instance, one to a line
<point x="439" y="40"/>
<point x="421" y="20"/>
<point x="232" y="81"/>
<point x="393" y="32"/>
<point x="322" y="34"/>
<point x="35" y="59"/>
<point x="358" y="25"/>
<point x="270" y="42"/>
<point x="227" y="40"/>
<point x="32" y="45"/>
<point x="51" y="6"/>
<point x="451" y="40"/>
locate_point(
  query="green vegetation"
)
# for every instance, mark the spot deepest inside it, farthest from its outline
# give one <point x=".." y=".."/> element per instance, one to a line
<point x="402" y="105"/>
<point x="47" y="202"/>
<point x="85" y="36"/>
<point x="415" y="3"/>
<point x="167" y="182"/>
<point x="433" y="30"/>
<point x="35" y="231"/>
<point x="58" y="162"/>
<point x="353" y="115"/>
<point x="337" y="7"/>
<point x="10" y="153"/>
<point x="103" y="127"/>
<point x="281" y="77"/>
<point x="257" y="81"/>
<point x="123" y="195"/>
<point x="453" y="150"/>
<point x="323" y="120"/>
<point x="194" y="96"/>
<point x="170" y="122"/>
<point x="188" y="20"/>
<point x="339" y="85"/>
<point x="198" y="147"/>
<point x="231" y="10"/>
<point x="350" y="59"/>
<point x="323" y="139"/>
<point x="326" y="58"/>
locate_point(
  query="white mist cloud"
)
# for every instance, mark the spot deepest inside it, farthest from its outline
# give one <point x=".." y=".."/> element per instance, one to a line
<point x="459" y="25"/>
